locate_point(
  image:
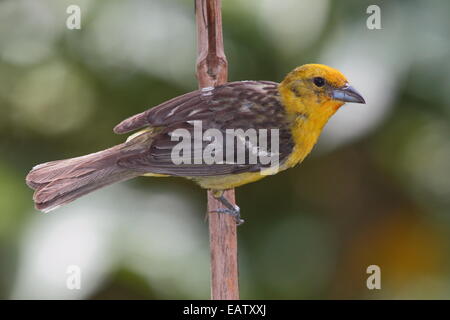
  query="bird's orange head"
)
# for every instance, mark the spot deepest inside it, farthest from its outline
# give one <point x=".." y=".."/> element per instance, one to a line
<point x="316" y="91"/>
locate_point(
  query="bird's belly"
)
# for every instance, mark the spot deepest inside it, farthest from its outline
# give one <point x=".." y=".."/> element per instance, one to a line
<point x="228" y="181"/>
<point x="155" y="175"/>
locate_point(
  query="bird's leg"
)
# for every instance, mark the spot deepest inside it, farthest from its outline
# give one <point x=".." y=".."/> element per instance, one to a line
<point x="230" y="209"/>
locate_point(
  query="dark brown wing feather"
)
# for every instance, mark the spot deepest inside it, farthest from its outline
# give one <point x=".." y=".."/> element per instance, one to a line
<point x="236" y="105"/>
<point x="156" y="114"/>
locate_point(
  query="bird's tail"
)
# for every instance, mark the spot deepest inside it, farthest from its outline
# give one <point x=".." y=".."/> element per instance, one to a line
<point x="62" y="181"/>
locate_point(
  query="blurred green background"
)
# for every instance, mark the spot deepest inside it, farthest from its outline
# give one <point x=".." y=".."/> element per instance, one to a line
<point x="376" y="189"/>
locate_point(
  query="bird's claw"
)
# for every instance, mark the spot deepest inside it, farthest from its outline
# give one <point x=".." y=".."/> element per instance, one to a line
<point x="235" y="212"/>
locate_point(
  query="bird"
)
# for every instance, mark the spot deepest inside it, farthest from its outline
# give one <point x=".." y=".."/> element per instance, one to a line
<point x="297" y="109"/>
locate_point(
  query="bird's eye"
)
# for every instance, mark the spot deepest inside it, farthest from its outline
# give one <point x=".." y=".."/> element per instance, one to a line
<point x="319" y="81"/>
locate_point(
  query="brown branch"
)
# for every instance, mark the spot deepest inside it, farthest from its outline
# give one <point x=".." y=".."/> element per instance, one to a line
<point x="212" y="71"/>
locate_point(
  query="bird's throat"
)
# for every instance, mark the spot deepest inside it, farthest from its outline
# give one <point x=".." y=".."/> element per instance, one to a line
<point x="306" y="130"/>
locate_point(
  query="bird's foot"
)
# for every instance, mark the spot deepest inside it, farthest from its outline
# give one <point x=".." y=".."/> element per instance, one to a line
<point x="235" y="212"/>
<point x="230" y="208"/>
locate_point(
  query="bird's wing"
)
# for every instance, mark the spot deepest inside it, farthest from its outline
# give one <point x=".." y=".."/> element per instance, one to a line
<point x="198" y="104"/>
<point x="237" y="105"/>
<point x="152" y="116"/>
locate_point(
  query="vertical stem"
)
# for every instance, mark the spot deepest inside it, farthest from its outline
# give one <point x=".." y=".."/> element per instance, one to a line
<point x="212" y="71"/>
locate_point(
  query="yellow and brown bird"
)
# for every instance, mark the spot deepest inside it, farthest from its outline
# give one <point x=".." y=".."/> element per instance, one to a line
<point x="298" y="108"/>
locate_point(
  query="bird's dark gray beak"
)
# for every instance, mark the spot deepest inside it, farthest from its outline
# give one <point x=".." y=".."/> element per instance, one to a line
<point x="347" y="94"/>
